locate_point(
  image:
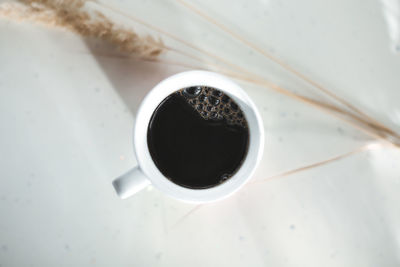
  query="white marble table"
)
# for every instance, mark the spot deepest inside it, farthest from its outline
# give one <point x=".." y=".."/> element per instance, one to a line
<point x="66" y="118"/>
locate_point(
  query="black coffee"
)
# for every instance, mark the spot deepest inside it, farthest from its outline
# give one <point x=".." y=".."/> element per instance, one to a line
<point x="198" y="137"/>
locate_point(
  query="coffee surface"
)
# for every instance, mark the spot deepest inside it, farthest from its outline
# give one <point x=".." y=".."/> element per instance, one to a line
<point x="198" y="137"/>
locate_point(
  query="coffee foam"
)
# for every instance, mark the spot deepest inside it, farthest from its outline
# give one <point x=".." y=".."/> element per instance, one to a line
<point x="213" y="104"/>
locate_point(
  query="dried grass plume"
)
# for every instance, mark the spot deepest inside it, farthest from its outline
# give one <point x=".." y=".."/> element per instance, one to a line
<point x="71" y="15"/>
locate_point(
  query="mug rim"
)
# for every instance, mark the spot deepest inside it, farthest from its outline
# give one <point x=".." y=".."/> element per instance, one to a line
<point x="163" y="90"/>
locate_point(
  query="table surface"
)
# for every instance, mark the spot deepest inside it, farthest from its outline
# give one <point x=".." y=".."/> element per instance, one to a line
<point x="67" y="113"/>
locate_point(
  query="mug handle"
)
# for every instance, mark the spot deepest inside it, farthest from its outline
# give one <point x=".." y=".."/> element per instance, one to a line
<point x="130" y="183"/>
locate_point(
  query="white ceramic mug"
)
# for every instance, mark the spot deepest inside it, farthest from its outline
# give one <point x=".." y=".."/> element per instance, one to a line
<point x="147" y="173"/>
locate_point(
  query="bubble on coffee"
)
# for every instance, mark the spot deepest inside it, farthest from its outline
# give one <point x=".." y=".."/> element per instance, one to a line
<point x="213" y="104"/>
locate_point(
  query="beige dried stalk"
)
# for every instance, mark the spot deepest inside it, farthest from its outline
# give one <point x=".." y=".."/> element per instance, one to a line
<point x="354" y="117"/>
<point x="71" y="15"/>
<point x="369" y="125"/>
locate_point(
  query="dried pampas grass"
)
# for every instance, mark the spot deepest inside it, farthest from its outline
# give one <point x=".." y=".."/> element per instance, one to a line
<point x="336" y="106"/>
<point x="72" y="15"/>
